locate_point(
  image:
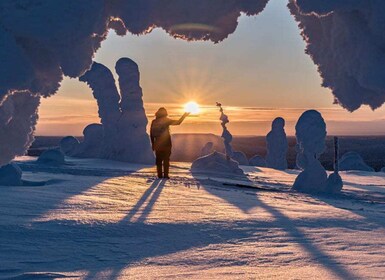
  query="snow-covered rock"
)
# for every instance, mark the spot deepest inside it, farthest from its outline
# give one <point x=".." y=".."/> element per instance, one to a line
<point x="353" y="161"/>
<point x="257" y="161"/>
<point x="277" y="145"/>
<point x="52" y="157"/>
<point x="310" y="134"/>
<point x="383" y="169"/>
<point x="240" y="157"/>
<point x="216" y="162"/>
<point x="10" y="175"/>
<point x="69" y="145"/>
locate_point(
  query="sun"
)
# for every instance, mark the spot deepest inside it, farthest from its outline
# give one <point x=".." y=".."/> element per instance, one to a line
<point x="192" y="107"/>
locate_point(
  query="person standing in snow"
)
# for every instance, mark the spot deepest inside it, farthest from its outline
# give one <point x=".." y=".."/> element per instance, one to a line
<point x="161" y="140"/>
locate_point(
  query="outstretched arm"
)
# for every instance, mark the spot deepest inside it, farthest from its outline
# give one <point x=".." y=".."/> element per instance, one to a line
<point x="178" y="122"/>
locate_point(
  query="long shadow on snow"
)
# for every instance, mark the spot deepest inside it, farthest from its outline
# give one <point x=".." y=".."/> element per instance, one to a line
<point x="285" y="223"/>
<point x="113" y="247"/>
<point x="54" y="192"/>
<point x="101" y="247"/>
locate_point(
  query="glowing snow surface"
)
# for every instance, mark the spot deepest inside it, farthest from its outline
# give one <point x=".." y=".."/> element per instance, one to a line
<point x="98" y="219"/>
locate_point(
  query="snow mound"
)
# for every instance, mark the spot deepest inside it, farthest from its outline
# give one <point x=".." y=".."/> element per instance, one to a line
<point x="334" y="183"/>
<point x="69" y="145"/>
<point x="216" y="162"/>
<point x="383" y="169"/>
<point x="52" y="157"/>
<point x="257" y="161"/>
<point x="10" y="175"/>
<point x="240" y="157"/>
<point x="353" y="161"/>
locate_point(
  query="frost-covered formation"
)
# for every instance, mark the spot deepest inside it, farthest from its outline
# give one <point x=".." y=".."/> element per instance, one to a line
<point x="346" y="40"/>
<point x="52" y="157"/>
<point x="102" y="83"/>
<point x="334" y="182"/>
<point x="311" y="133"/>
<point x="42" y="41"/>
<point x="10" y="175"/>
<point x="277" y="145"/>
<point x="207" y="149"/>
<point x="18" y="117"/>
<point x="122" y="135"/>
<point x="226" y="135"/>
<point x="240" y="157"/>
<point x="216" y="162"/>
<point x="134" y="142"/>
<point x="353" y="161"/>
<point x="383" y="169"/>
<point x="257" y="161"/>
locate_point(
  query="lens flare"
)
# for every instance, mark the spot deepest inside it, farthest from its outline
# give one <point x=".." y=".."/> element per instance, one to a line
<point x="192" y="108"/>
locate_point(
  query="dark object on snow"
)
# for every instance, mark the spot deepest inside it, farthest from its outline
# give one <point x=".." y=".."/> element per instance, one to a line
<point x="334" y="182"/>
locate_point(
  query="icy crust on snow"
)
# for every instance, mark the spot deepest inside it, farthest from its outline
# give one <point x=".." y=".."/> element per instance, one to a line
<point x="353" y="161"/>
<point x="310" y="133"/>
<point x="277" y="145"/>
<point x="52" y="157"/>
<point x="10" y="175"/>
<point x="216" y="162"/>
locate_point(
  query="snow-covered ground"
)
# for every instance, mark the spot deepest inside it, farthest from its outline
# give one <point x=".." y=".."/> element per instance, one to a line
<point x="98" y="219"/>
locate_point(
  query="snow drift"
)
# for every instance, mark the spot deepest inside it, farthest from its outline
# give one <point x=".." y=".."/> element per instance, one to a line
<point x="216" y="162"/>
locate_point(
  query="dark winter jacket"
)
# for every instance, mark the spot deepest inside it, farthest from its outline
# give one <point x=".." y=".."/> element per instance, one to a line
<point x="160" y="132"/>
